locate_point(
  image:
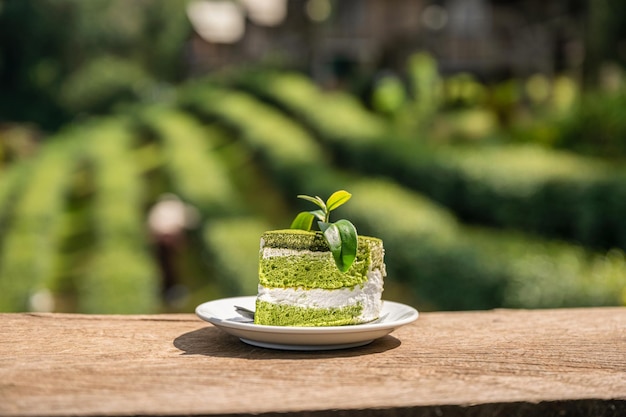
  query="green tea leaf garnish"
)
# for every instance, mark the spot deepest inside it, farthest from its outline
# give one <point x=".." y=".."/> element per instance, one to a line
<point x="349" y="243"/>
<point x="341" y="236"/>
<point x="333" y="238"/>
<point x="303" y="221"/>
<point x="315" y="200"/>
<point x="319" y="214"/>
<point x="337" y="199"/>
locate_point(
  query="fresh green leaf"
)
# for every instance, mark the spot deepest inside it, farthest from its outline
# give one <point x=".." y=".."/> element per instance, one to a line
<point x="319" y="214"/>
<point x="349" y="243"/>
<point x="342" y="240"/>
<point x="303" y="221"/>
<point x="333" y="238"/>
<point x="316" y="200"/>
<point x="341" y="236"/>
<point x="337" y="199"/>
<point x="323" y="226"/>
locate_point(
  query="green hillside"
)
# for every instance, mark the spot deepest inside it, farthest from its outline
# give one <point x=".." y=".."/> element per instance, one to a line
<point x="464" y="227"/>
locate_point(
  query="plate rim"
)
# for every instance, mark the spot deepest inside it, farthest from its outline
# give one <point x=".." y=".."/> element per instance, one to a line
<point x="413" y="314"/>
<point x="306" y="347"/>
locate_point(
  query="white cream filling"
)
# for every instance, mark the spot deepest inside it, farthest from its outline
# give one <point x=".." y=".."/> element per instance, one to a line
<point x="273" y="252"/>
<point x="368" y="295"/>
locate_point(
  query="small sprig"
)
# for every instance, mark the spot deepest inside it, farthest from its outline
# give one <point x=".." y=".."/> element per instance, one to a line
<point x="341" y="235"/>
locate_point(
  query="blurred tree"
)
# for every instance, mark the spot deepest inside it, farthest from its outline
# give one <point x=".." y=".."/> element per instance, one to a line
<point x="31" y="59"/>
<point x="60" y="57"/>
<point x="605" y="37"/>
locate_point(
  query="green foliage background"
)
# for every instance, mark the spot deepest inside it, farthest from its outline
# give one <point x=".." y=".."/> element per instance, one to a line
<point x="501" y="195"/>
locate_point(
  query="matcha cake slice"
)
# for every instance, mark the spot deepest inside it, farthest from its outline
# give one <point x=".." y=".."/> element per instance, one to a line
<point x="300" y="284"/>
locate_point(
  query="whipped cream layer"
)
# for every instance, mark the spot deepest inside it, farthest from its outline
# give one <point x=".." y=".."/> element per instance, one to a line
<point x="267" y="252"/>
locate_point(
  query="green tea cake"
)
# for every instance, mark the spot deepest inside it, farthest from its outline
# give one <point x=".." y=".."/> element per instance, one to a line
<point x="300" y="283"/>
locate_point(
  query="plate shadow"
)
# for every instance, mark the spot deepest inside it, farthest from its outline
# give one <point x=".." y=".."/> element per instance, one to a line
<point x="211" y="341"/>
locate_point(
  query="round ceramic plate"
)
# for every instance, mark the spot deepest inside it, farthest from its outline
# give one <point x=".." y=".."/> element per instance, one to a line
<point x="222" y="314"/>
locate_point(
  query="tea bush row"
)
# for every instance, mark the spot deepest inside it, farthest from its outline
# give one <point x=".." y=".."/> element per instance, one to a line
<point x="458" y="267"/>
<point x="450" y="266"/>
<point x="11" y="183"/>
<point x="196" y="174"/>
<point x="287" y="151"/>
<point x="233" y="245"/>
<point x="31" y="234"/>
<point x="533" y="189"/>
<point x="524" y="187"/>
<point x="121" y="277"/>
<point x="200" y="177"/>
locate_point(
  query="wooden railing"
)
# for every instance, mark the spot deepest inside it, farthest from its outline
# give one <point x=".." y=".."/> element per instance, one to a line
<point x="569" y="362"/>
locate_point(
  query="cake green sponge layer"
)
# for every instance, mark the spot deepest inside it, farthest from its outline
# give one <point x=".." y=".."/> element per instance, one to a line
<point x="271" y="314"/>
<point x="314" y="267"/>
<point x="295" y="239"/>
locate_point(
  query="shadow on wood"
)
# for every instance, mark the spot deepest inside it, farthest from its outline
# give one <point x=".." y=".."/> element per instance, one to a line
<point x="211" y="341"/>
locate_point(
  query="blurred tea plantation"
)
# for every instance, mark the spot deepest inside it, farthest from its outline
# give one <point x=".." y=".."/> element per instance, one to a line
<point x="127" y="188"/>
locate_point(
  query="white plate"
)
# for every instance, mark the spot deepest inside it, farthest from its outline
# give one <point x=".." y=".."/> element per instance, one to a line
<point x="222" y="314"/>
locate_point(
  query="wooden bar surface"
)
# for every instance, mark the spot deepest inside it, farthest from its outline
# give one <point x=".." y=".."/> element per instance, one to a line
<point x="503" y="362"/>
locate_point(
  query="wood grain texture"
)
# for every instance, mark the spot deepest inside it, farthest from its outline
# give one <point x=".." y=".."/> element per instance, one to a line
<point x="504" y="362"/>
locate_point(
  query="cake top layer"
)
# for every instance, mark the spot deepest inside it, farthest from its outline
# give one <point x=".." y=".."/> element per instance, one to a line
<point x="295" y="239"/>
<point x="301" y="240"/>
<point x="298" y="259"/>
